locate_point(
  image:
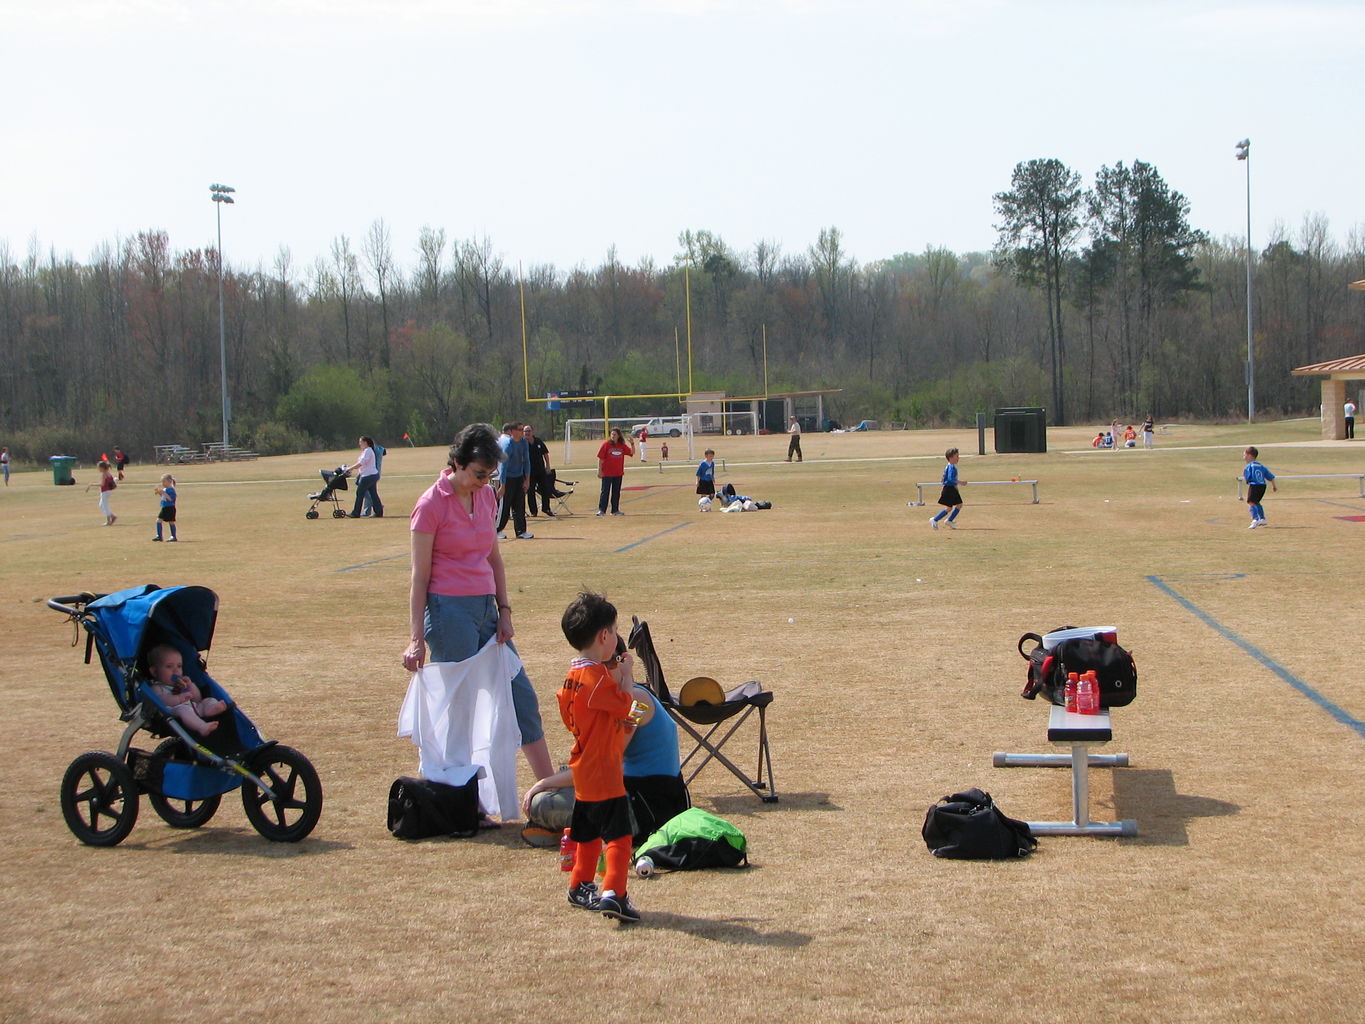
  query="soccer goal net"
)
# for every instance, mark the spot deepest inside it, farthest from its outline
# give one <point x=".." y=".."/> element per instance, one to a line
<point x="585" y="436"/>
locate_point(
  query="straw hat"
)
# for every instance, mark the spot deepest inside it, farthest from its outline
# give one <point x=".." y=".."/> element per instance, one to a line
<point x="701" y="690"/>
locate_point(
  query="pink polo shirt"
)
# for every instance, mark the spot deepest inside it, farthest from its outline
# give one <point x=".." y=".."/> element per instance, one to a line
<point x="460" y="541"/>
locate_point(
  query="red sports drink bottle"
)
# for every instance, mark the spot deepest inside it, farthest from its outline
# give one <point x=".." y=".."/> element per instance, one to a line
<point x="1088" y="695"/>
<point x="1071" y="685"/>
<point x="568" y="852"/>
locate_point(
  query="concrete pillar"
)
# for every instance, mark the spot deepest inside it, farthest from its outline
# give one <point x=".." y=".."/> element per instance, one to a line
<point x="1333" y="416"/>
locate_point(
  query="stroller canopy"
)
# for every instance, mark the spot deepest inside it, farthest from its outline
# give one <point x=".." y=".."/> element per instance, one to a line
<point x="186" y="613"/>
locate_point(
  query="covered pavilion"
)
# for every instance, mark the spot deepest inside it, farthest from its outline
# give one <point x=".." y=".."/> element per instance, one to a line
<point x="1336" y="372"/>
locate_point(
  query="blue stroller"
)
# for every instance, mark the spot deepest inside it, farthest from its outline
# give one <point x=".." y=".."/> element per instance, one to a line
<point x="186" y="775"/>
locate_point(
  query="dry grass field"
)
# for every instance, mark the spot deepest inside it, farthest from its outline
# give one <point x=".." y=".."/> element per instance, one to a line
<point x="891" y="651"/>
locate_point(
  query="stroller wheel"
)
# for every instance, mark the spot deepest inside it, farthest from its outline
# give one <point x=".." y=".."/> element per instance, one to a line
<point x="175" y="812"/>
<point x="298" y="795"/>
<point x="312" y="513"/>
<point x="99" y="799"/>
<point x="338" y="514"/>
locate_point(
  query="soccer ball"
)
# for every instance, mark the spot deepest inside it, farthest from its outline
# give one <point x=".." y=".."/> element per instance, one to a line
<point x="704" y="503"/>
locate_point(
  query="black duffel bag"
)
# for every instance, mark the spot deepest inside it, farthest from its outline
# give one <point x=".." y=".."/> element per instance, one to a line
<point x="1047" y="670"/>
<point x="421" y="808"/>
<point x="968" y="826"/>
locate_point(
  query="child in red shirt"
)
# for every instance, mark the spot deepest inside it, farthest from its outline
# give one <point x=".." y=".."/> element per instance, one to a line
<point x="596" y="704"/>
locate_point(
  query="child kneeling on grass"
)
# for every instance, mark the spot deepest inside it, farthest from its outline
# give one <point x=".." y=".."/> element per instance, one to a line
<point x="595" y="703"/>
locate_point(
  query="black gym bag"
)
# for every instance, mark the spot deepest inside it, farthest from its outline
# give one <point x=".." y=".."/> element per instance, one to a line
<point x="968" y="826"/>
<point x="1047" y="670"/>
<point x="420" y="808"/>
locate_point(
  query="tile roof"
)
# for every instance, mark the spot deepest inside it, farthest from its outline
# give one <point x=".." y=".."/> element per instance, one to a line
<point x="1346" y="364"/>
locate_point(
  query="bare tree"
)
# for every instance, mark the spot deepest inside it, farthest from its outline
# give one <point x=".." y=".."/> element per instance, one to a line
<point x="379" y="255"/>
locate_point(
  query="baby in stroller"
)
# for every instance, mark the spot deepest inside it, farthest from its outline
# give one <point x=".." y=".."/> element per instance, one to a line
<point x="166" y="667"/>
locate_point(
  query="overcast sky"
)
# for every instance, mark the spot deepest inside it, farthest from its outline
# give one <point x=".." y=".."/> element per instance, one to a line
<point x="559" y="128"/>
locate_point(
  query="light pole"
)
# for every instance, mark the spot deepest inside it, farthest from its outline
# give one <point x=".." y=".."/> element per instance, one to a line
<point x="1244" y="154"/>
<point x="222" y="194"/>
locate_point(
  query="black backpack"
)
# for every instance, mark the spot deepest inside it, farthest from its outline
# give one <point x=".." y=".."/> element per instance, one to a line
<point x="1047" y="670"/>
<point x="968" y="826"/>
<point x="420" y="808"/>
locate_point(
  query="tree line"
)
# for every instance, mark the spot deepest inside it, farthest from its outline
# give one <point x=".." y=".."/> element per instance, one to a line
<point x="1096" y="303"/>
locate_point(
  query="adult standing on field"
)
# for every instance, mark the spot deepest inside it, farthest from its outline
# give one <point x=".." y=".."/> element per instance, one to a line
<point x="516" y="479"/>
<point x="1148" y="429"/>
<point x="611" y="467"/>
<point x="540" y="472"/>
<point x="1350" y="420"/>
<point x="644" y="442"/>
<point x="457" y="599"/>
<point x="366" y="475"/>
<point x="794" y="442"/>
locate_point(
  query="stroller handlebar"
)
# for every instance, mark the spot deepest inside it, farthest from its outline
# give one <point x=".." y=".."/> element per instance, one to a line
<point x="72" y="605"/>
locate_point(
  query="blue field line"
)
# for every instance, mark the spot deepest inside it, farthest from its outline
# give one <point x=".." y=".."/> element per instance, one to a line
<point x="1340" y="714"/>
<point x="366" y="565"/>
<point x="654" y="536"/>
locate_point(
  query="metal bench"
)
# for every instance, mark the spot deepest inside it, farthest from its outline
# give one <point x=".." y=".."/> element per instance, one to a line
<point x="1080" y="732"/>
<point x="919" y="488"/>
<point x="177" y="454"/>
<point x="1359" y="478"/>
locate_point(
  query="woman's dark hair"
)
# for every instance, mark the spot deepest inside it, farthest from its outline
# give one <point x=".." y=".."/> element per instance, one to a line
<point x="616" y="432"/>
<point x="367" y="440"/>
<point x="477" y="442"/>
<point x="587" y="615"/>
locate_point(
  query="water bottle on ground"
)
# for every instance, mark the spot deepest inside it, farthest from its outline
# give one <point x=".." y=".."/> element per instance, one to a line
<point x="568" y="851"/>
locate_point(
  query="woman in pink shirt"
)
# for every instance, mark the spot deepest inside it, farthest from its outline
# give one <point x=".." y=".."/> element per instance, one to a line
<point x="458" y="596"/>
<point x="611" y="467"/>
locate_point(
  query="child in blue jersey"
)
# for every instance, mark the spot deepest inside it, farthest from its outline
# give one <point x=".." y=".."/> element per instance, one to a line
<point x="950" y="498"/>
<point x="706" y="475"/>
<point x="1256" y="477"/>
<point x="167" y="513"/>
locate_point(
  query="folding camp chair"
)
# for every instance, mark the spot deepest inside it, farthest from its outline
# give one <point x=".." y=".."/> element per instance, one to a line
<point x="737" y="704"/>
<point x="561" y="491"/>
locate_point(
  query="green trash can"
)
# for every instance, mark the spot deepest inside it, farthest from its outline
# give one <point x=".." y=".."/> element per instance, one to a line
<point x="62" y="465"/>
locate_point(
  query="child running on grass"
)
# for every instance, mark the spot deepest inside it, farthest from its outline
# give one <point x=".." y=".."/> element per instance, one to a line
<point x="950" y="498"/>
<point x="1256" y="476"/>
<point x="595" y="703"/>
<point x="106" y="485"/>
<point x="167" y="514"/>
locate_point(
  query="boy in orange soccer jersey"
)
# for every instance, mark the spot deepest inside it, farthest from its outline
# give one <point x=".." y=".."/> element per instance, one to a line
<point x="595" y="703"/>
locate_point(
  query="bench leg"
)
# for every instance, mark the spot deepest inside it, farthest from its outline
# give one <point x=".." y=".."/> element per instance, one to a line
<point x="1080" y="824"/>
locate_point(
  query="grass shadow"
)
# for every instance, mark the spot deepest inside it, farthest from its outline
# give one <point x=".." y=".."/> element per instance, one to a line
<point x="732" y="931"/>
<point x="240" y="841"/>
<point x="745" y="805"/>
<point x="1163" y="815"/>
